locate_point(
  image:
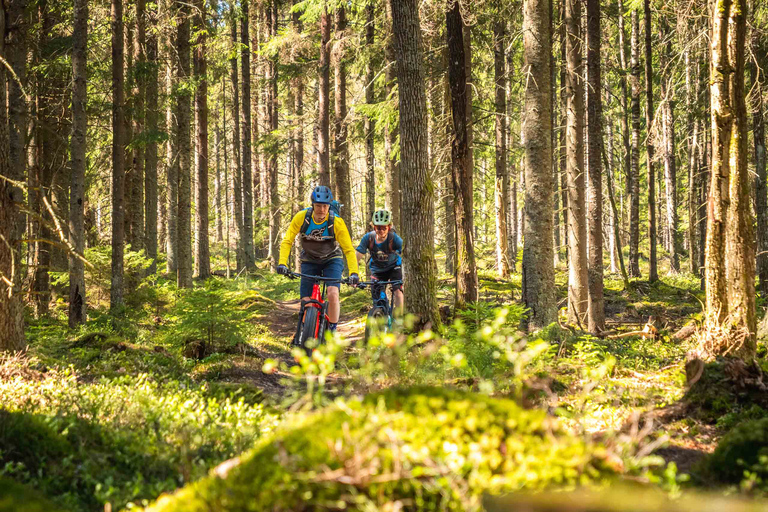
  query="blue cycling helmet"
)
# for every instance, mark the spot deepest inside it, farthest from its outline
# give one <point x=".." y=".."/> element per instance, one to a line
<point x="322" y="195"/>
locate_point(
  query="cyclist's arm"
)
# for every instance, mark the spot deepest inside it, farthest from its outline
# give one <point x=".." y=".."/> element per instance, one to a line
<point x="345" y="242"/>
<point x="290" y="235"/>
<point x="362" y="249"/>
<point x="397" y="243"/>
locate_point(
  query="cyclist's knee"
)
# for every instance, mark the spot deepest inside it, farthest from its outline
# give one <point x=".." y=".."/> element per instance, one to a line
<point x="333" y="294"/>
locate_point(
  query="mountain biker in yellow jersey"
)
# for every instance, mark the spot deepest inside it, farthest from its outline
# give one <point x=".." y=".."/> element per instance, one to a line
<point x="324" y="239"/>
<point x="385" y="264"/>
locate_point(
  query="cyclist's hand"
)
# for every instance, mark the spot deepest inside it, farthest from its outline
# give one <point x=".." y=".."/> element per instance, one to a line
<point x="282" y="270"/>
<point x="354" y="279"/>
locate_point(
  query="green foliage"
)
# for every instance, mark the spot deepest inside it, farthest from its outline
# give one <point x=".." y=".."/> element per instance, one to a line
<point x="18" y="498"/>
<point x="429" y="448"/>
<point x="742" y="456"/>
<point x="117" y="440"/>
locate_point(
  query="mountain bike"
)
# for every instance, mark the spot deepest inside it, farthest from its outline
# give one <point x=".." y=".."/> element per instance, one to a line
<point x="379" y="319"/>
<point x="313" y="314"/>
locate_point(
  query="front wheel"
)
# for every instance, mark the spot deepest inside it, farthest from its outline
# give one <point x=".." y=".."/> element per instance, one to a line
<point x="310" y="329"/>
<point x="376" y="323"/>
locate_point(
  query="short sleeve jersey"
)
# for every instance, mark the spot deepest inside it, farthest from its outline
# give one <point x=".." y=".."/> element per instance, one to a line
<point x="381" y="259"/>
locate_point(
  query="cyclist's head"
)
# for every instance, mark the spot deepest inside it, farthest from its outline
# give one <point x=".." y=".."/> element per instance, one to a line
<point x="321" y="195"/>
<point x="382" y="219"/>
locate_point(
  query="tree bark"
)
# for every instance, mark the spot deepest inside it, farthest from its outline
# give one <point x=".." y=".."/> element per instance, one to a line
<point x="202" y="243"/>
<point x="670" y="163"/>
<point x="342" y="183"/>
<point x="538" y="272"/>
<point x="502" y="173"/>
<point x="183" y="115"/>
<point x="370" y="124"/>
<point x="633" y="178"/>
<point x="392" y="163"/>
<point x="237" y="187"/>
<point x="77" y="150"/>
<point x="150" y="164"/>
<point x="118" y="158"/>
<point x="461" y="164"/>
<point x="578" y="290"/>
<point x="272" y="101"/>
<point x="12" y="336"/>
<point x="653" y="273"/>
<point x="323" y="105"/>
<point x="418" y="198"/>
<point x="16" y="28"/>
<point x="596" y="310"/>
<point x="761" y="174"/>
<point x="245" y="140"/>
<point x="138" y="128"/>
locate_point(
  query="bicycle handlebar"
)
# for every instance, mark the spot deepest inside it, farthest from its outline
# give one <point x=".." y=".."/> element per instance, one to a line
<point x="293" y="275"/>
<point x="363" y="284"/>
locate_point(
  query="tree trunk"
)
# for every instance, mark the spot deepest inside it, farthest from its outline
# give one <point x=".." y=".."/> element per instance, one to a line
<point x="653" y="273"/>
<point x="512" y="174"/>
<point x="761" y="178"/>
<point x="237" y="186"/>
<point x="461" y="164"/>
<point x="633" y="178"/>
<point x="16" y="54"/>
<point x="203" y="259"/>
<point x="392" y="170"/>
<point x="341" y="181"/>
<point x="323" y="102"/>
<point x="272" y="100"/>
<point x="118" y="158"/>
<point x="596" y="310"/>
<point x="369" y="128"/>
<point x="139" y="114"/>
<point x="172" y="165"/>
<point x="217" y="186"/>
<point x="150" y="164"/>
<point x="298" y="143"/>
<point x="538" y="272"/>
<point x="502" y="173"/>
<point x="183" y="114"/>
<point x="739" y="232"/>
<point x="670" y="163"/>
<point x="245" y="139"/>
<point x="450" y="220"/>
<point x="77" y="149"/>
<point x="12" y="336"/>
<point x="578" y="291"/>
<point x="418" y="198"/>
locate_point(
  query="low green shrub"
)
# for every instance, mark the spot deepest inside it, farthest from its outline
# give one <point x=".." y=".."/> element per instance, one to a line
<point x="17" y="498"/>
<point x="118" y="440"/>
<point x="419" y="448"/>
<point x="742" y="456"/>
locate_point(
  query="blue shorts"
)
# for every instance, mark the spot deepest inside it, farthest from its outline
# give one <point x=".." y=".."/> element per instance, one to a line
<point x="331" y="268"/>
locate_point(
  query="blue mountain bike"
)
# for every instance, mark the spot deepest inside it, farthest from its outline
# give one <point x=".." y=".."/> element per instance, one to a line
<point x="379" y="319"/>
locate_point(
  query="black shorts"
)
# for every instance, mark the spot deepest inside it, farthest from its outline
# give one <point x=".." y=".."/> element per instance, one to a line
<point x="394" y="274"/>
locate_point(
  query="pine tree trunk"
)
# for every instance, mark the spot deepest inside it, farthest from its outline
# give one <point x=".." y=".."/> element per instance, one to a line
<point x="370" y="124"/>
<point x="340" y="149"/>
<point x="245" y="140"/>
<point x="596" y="316"/>
<point x="562" y="152"/>
<point x="150" y="163"/>
<point x="538" y="272"/>
<point x="653" y="273"/>
<point x="77" y="149"/>
<point x="324" y="79"/>
<point x="502" y="173"/>
<point x="12" y="336"/>
<point x="418" y="198"/>
<point x="392" y="170"/>
<point x="578" y="291"/>
<point x="16" y="54"/>
<point x="512" y="174"/>
<point x="118" y="158"/>
<point x="670" y="163"/>
<point x="272" y="100"/>
<point x="139" y="115"/>
<point x="625" y="111"/>
<point x="172" y="165"/>
<point x="461" y="164"/>
<point x="761" y="178"/>
<point x="633" y="178"/>
<point x="203" y="255"/>
<point x="183" y="115"/>
<point x="739" y="231"/>
<point x="218" y="189"/>
<point x="237" y="186"/>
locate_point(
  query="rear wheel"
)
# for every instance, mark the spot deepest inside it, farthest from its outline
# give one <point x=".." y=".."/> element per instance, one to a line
<point x="376" y="323"/>
<point x="309" y="329"/>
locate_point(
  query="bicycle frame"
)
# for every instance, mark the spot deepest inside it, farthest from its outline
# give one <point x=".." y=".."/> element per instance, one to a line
<point x="317" y="300"/>
<point x="387" y="301"/>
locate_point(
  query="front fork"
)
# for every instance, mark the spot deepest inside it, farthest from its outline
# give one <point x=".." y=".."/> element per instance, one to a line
<point x="323" y="307"/>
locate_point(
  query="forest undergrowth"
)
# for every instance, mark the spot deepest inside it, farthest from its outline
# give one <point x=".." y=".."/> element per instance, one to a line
<point x="134" y="405"/>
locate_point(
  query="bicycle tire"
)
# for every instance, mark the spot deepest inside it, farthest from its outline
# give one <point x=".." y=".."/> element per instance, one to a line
<point x="308" y="329"/>
<point x="374" y="325"/>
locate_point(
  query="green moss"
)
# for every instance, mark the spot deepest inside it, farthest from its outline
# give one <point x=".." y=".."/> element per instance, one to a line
<point x="743" y="449"/>
<point x="427" y="448"/>
<point x="17" y="498"/>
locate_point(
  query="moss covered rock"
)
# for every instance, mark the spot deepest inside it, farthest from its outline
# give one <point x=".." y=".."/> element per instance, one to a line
<point x="17" y="498"/>
<point x="421" y="449"/>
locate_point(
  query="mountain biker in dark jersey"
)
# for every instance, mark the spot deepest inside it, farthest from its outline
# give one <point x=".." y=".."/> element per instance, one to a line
<point x="325" y="243"/>
<point x="385" y="248"/>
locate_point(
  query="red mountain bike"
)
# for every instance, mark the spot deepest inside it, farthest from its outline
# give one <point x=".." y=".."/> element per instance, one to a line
<point x="313" y="315"/>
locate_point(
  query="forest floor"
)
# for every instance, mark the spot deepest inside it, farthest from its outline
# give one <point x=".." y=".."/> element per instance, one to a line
<point x="223" y="350"/>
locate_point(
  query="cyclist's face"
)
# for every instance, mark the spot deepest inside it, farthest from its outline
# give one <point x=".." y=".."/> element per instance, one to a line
<point x="381" y="230"/>
<point x="321" y="209"/>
